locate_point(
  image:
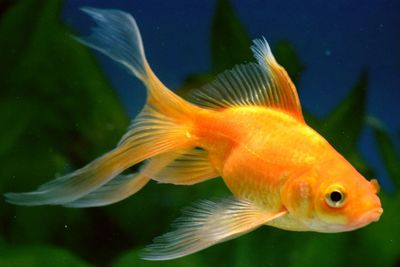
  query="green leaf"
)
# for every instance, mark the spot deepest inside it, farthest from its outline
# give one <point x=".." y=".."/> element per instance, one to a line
<point x="54" y="92"/>
<point x="57" y="111"/>
<point x="343" y="125"/>
<point x="38" y="256"/>
<point x="230" y="43"/>
<point x="387" y="150"/>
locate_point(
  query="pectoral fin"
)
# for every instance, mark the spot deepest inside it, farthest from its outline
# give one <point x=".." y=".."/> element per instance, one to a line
<point x="206" y="224"/>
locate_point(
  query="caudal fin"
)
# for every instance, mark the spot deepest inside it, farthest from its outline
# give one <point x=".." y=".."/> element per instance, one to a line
<point x="153" y="133"/>
<point x="163" y="125"/>
<point x="118" y="37"/>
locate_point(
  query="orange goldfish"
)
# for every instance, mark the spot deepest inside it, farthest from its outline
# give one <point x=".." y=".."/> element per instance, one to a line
<point x="246" y="127"/>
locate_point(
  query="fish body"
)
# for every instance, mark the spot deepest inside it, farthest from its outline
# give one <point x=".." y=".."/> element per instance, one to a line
<point x="256" y="149"/>
<point x="246" y="127"/>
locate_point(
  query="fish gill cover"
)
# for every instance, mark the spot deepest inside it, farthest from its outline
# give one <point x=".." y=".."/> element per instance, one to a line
<point x="58" y="111"/>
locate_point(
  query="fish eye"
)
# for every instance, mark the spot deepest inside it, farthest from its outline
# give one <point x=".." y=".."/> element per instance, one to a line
<point x="335" y="197"/>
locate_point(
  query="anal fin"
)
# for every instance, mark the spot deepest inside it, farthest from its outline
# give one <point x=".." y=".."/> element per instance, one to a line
<point x="188" y="167"/>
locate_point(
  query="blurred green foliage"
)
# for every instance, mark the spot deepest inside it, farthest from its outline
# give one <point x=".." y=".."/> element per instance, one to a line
<point x="39" y="256"/>
<point x="342" y="127"/>
<point x="59" y="112"/>
<point x="229" y="40"/>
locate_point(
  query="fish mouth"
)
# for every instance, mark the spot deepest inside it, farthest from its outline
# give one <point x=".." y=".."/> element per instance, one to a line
<point x="374" y="215"/>
<point x="370" y="216"/>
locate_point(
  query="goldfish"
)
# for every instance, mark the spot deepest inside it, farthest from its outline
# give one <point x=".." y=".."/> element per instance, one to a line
<point x="246" y="127"/>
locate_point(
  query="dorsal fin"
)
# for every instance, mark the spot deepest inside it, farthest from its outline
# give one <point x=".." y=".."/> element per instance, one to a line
<point x="263" y="84"/>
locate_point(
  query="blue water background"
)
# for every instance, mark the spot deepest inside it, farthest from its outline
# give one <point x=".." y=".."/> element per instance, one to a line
<point x="335" y="40"/>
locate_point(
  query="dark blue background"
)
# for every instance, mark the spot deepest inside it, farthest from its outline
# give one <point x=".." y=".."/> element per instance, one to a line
<point x="336" y="40"/>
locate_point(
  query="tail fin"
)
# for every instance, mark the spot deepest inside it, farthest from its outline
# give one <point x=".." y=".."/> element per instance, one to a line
<point x="114" y="191"/>
<point x="153" y="133"/>
<point x="163" y="125"/>
<point x="118" y="37"/>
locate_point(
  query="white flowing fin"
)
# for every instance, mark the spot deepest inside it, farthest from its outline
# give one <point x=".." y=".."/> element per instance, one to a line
<point x="123" y="186"/>
<point x="119" y="188"/>
<point x="189" y="167"/>
<point x="164" y="124"/>
<point x="263" y="84"/>
<point x="117" y="35"/>
<point x="153" y="133"/>
<point x="207" y="224"/>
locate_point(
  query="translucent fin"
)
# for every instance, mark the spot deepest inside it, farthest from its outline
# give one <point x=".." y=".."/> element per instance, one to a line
<point x="263" y="84"/>
<point x="163" y="125"/>
<point x="154" y="133"/>
<point x="119" y="188"/>
<point x="207" y="224"/>
<point x="117" y="36"/>
<point x="189" y="167"/>
<point x="124" y="186"/>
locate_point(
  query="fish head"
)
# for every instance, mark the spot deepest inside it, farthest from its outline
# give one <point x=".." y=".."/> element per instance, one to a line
<point x="344" y="200"/>
<point x="333" y="198"/>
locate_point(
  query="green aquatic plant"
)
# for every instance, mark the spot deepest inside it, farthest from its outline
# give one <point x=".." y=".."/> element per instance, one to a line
<point x="58" y="112"/>
<point x="342" y="127"/>
<point x="63" y="113"/>
<point x="39" y="256"/>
